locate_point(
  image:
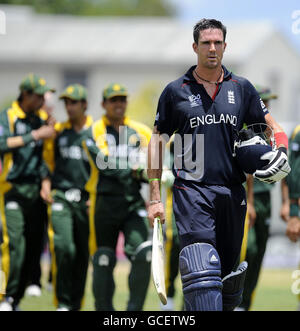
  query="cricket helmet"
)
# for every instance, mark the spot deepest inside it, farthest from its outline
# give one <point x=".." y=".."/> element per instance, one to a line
<point x="250" y="146"/>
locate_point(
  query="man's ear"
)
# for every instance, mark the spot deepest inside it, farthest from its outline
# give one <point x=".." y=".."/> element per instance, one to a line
<point x="85" y="105"/>
<point x="225" y="45"/>
<point x="195" y="47"/>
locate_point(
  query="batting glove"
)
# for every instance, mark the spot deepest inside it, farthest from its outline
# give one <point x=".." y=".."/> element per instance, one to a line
<point x="277" y="168"/>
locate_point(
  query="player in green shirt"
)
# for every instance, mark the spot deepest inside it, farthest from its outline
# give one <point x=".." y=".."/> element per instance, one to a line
<point x="68" y="211"/>
<point x="259" y="213"/>
<point x="116" y="202"/>
<point x="23" y="129"/>
<point x="290" y="210"/>
<point x="293" y="183"/>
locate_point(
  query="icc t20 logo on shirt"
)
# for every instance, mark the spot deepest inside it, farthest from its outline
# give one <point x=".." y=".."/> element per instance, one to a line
<point x="195" y="100"/>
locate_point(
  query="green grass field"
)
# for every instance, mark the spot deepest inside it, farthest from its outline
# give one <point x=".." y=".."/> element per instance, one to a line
<point x="273" y="293"/>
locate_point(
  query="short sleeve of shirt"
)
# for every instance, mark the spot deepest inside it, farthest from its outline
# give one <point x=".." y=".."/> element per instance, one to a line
<point x="165" y="117"/>
<point x="296" y="137"/>
<point x="256" y="109"/>
<point x="4" y="132"/>
<point x="294" y="146"/>
<point x="4" y="126"/>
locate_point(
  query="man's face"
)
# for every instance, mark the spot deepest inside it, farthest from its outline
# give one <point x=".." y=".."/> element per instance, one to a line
<point x="48" y="105"/>
<point x="210" y="48"/>
<point x="75" y="109"/>
<point x="33" y="102"/>
<point x="115" y="107"/>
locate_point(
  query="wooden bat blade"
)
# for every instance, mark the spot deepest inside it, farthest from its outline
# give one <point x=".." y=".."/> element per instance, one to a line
<point x="158" y="262"/>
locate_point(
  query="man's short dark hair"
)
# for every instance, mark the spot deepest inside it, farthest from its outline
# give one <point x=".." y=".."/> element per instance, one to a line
<point x="205" y="24"/>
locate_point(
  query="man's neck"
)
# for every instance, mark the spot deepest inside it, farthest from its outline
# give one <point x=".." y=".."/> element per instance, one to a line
<point x="79" y="123"/>
<point x="211" y="74"/>
<point x="24" y="108"/>
<point x="116" y="123"/>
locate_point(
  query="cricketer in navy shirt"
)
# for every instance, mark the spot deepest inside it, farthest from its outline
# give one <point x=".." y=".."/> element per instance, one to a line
<point x="185" y="108"/>
<point x="209" y="201"/>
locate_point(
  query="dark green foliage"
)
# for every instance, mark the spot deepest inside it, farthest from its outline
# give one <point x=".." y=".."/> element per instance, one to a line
<point x="99" y="7"/>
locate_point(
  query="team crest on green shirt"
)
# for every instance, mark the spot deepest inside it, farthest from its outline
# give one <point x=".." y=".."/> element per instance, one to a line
<point x="21" y="128"/>
<point x="63" y="141"/>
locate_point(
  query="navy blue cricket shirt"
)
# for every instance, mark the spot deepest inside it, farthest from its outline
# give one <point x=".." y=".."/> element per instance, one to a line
<point x="208" y="125"/>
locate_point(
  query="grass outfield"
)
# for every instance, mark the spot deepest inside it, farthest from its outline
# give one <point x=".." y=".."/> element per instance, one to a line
<point x="273" y="293"/>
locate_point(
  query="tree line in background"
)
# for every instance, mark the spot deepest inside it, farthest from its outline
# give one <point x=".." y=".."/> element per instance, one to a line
<point x="99" y="7"/>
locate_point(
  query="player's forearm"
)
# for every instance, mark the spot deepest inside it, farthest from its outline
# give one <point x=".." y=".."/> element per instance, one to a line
<point x="284" y="192"/>
<point x="250" y="186"/>
<point x="155" y="191"/>
<point x="154" y="176"/>
<point x="154" y="171"/>
<point x="9" y="143"/>
<point x="273" y="124"/>
<point x="279" y="134"/>
<point x="15" y="142"/>
<point x="34" y="135"/>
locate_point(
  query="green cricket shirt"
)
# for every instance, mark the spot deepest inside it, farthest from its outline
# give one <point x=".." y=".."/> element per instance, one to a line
<point x="69" y="162"/>
<point x="118" y="181"/>
<point x="293" y="179"/>
<point x="261" y="187"/>
<point x="24" y="164"/>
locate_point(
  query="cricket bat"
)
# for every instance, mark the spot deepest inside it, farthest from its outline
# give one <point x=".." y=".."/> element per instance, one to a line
<point x="158" y="261"/>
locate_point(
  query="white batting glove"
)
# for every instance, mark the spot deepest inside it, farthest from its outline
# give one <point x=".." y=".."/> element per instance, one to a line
<point x="276" y="169"/>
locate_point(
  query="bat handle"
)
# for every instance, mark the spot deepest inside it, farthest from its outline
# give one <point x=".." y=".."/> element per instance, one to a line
<point x="158" y="222"/>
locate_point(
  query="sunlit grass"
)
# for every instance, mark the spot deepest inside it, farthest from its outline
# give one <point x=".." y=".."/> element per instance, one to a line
<point x="273" y="292"/>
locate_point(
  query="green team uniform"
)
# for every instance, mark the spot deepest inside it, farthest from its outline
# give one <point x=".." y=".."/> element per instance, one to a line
<point x="257" y="239"/>
<point x="117" y="205"/>
<point x="22" y="210"/>
<point x="68" y="217"/>
<point x="258" y="235"/>
<point x="293" y="181"/>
